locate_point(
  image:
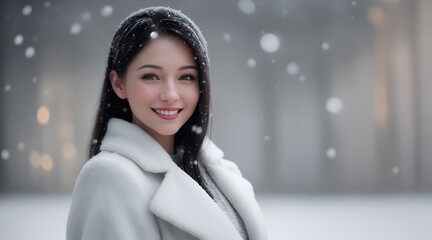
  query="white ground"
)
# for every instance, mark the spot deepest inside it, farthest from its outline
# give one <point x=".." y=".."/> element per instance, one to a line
<point x="288" y="217"/>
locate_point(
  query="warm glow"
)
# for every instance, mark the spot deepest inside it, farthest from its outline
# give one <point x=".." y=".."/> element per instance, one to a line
<point x="67" y="130"/>
<point x="46" y="162"/>
<point x="69" y="151"/>
<point x="43" y="115"/>
<point x="376" y="16"/>
<point x="35" y="159"/>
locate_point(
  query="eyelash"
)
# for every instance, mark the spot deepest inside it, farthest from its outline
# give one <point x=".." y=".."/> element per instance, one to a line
<point x="186" y="77"/>
<point x="150" y="77"/>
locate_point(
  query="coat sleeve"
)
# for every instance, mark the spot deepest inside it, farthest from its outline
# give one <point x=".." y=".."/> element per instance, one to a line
<point x="110" y="202"/>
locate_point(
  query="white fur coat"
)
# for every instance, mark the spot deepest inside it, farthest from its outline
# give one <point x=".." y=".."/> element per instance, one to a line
<point x="133" y="190"/>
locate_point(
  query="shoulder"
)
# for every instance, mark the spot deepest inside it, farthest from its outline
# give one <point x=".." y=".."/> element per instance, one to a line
<point x="107" y="163"/>
<point x="113" y="172"/>
<point x="110" y="200"/>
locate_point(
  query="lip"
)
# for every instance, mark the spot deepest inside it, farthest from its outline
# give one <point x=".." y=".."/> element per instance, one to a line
<point x="170" y="116"/>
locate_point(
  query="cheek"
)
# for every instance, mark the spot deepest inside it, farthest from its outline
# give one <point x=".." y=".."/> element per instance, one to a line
<point x="141" y="93"/>
<point x="193" y="96"/>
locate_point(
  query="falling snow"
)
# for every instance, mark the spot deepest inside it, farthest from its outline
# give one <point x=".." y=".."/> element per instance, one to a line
<point x="197" y="129"/>
<point x="269" y="42"/>
<point x="153" y="35"/>
<point x="396" y="170"/>
<point x="27" y="10"/>
<point x="7" y="88"/>
<point x="5" y="154"/>
<point x="246" y="6"/>
<point x="302" y="78"/>
<point x="226" y="37"/>
<point x="331" y="153"/>
<point x="29" y="52"/>
<point x="106" y="11"/>
<point x="47" y="4"/>
<point x="334" y="105"/>
<point x="325" y="46"/>
<point x="19" y="39"/>
<point x="251" y="63"/>
<point x="293" y="69"/>
<point x="86" y="16"/>
<point x="34" y="79"/>
<point x="266" y="138"/>
<point x="75" y="28"/>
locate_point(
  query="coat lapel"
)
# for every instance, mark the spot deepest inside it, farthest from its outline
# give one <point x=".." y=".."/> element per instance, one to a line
<point x="236" y="189"/>
<point x="183" y="203"/>
<point x="240" y="194"/>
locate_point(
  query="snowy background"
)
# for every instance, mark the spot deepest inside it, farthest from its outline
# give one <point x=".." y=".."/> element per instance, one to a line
<point x="288" y="217"/>
<point x="324" y="105"/>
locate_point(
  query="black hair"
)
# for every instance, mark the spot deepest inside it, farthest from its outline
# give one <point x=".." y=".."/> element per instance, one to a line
<point x="131" y="36"/>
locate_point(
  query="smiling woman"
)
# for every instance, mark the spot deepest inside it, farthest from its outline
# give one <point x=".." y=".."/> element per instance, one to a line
<point x="153" y="173"/>
<point x="161" y="85"/>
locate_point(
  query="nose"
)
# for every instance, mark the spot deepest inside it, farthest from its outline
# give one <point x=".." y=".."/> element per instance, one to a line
<point x="169" y="92"/>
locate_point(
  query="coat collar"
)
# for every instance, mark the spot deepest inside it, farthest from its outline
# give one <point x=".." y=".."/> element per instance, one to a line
<point x="179" y="199"/>
<point x="131" y="141"/>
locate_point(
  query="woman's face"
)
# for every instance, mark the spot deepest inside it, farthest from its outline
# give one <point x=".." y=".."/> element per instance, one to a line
<point x="161" y="86"/>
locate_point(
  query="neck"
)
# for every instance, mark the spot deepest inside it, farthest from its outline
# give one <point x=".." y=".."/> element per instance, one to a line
<point x="167" y="143"/>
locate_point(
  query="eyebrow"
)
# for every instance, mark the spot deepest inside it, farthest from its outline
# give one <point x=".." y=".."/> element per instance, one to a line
<point x="150" y="66"/>
<point x="188" y="67"/>
<point x="160" y="68"/>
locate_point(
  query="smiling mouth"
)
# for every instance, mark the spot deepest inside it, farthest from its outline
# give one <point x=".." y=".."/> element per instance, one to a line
<point x="167" y="113"/>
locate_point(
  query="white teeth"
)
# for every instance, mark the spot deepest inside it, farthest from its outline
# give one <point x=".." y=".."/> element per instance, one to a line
<point x="167" y="113"/>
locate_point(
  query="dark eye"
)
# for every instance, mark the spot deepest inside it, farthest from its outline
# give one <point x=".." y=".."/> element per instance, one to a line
<point x="187" y="77"/>
<point x="150" y="77"/>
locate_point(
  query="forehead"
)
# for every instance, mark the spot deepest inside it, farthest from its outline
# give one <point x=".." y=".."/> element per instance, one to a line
<point x="165" y="49"/>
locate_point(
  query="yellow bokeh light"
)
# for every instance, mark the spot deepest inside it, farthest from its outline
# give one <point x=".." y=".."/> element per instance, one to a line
<point x="46" y="162"/>
<point x="35" y="159"/>
<point x="69" y="151"/>
<point x="43" y="115"/>
<point x="376" y="16"/>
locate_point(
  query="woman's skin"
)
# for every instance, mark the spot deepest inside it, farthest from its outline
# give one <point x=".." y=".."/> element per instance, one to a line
<point x="161" y="86"/>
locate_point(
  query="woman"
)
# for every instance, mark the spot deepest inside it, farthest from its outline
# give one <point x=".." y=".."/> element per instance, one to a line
<point x="152" y="172"/>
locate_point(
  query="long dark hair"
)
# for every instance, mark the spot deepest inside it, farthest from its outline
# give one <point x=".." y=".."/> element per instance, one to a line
<point x="131" y="36"/>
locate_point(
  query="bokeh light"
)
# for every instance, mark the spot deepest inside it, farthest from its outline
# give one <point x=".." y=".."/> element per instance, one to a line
<point x="43" y="115"/>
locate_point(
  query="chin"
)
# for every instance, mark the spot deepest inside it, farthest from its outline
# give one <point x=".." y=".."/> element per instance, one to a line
<point x="168" y="132"/>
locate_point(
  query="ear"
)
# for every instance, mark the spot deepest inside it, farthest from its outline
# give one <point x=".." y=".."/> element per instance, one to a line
<point x="117" y="84"/>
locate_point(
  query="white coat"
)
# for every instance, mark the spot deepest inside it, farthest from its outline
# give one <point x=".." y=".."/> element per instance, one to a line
<point x="133" y="190"/>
